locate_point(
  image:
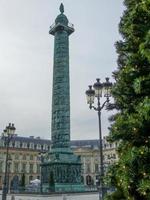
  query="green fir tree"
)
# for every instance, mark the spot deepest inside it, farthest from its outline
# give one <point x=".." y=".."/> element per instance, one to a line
<point x="131" y="125"/>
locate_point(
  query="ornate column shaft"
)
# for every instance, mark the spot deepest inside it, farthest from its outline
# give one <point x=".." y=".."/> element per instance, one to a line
<point x="62" y="168"/>
<point x="61" y="90"/>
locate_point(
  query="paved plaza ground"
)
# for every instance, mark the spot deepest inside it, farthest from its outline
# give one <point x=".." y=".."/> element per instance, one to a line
<point x="89" y="196"/>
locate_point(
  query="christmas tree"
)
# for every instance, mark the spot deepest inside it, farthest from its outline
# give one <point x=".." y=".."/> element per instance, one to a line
<point x="131" y="92"/>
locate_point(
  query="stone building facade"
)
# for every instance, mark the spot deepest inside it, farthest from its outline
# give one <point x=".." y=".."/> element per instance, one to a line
<point x="24" y="158"/>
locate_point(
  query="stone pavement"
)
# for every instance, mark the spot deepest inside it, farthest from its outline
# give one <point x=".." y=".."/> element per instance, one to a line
<point x="89" y="196"/>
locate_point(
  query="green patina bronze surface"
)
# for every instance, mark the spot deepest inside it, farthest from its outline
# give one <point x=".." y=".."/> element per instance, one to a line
<point x="61" y="170"/>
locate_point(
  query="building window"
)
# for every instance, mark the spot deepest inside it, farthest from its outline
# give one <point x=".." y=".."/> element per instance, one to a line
<point x="16" y="167"/>
<point x="96" y="168"/>
<point x="13" y="144"/>
<point x="114" y="156"/>
<point x="1" y="143"/>
<point x="10" y="144"/>
<point x="31" y="146"/>
<point x="24" y="157"/>
<point x="38" y="146"/>
<point x="1" y="167"/>
<point x="88" y="168"/>
<point x="88" y="180"/>
<point x="45" y="147"/>
<point x="31" y="157"/>
<point x="16" y="157"/>
<point x="28" y="145"/>
<point x="24" y="145"/>
<point x="31" y="168"/>
<point x="24" y="167"/>
<point x="17" y="144"/>
<point x="30" y="178"/>
<point x="38" y="169"/>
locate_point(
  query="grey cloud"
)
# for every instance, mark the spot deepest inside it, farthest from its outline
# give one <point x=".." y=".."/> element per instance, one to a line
<point x="26" y="61"/>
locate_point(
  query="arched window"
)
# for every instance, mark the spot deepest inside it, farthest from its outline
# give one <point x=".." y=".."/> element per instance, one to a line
<point x="15" y="183"/>
<point x="88" y="180"/>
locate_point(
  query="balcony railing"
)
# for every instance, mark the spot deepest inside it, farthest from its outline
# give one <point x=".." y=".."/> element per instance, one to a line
<point x="70" y="25"/>
<point x="54" y="24"/>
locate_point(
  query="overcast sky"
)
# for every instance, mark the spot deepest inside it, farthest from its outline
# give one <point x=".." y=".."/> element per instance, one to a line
<point x="26" y="62"/>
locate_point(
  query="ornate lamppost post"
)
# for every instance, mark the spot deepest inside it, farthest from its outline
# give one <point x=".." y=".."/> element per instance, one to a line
<point x="7" y="135"/>
<point x="41" y="157"/>
<point x="99" y="90"/>
<point x="9" y="161"/>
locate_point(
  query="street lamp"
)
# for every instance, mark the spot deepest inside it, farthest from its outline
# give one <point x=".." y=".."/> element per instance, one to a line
<point x="7" y="136"/>
<point x="99" y="90"/>
<point x="9" y="161"/>
<point x="41" y="156"/>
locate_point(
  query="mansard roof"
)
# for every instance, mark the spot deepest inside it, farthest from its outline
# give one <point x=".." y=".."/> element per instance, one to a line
<point x="38" y="140"/>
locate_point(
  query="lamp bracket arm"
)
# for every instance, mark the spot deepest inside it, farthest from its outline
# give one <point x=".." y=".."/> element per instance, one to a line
<point x="93" y="108"/>
<point x="107" y="100"/>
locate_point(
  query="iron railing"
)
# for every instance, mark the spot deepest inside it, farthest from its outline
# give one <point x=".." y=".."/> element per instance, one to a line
<point x="54" y="24"/>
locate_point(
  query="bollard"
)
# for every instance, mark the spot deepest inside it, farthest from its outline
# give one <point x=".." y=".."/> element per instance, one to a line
<point x="64" y="197"/>
<point x="12" y="197"/>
